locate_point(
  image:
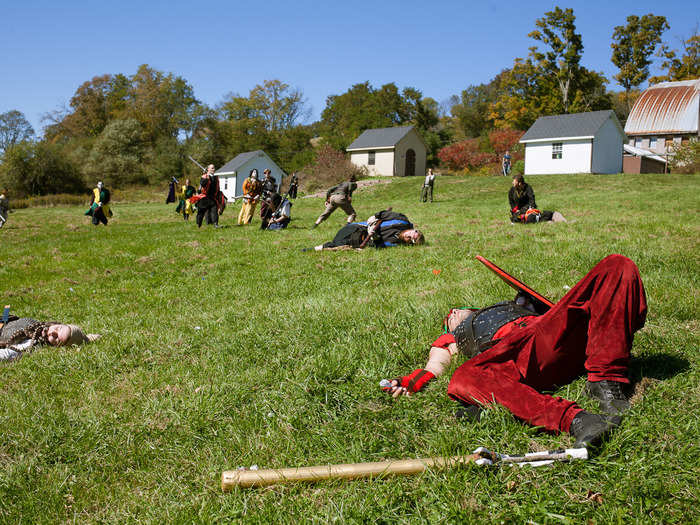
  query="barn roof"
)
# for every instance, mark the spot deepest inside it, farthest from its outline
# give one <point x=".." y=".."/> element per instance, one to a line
<point x="379" y="138"/>
<point x="667" y="107"/>
<point x="569" y="126"/>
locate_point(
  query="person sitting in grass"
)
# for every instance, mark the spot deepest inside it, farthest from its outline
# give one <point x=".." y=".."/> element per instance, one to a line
<point x="20" y="335"/>
<point x="516" y="354"/>
<point x="282" y="215"/>
<point x="523" y="207"/>
<point x="382" y="230"/>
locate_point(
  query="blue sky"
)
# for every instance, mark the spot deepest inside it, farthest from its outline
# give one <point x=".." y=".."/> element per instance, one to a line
<point x="49" y="48"/>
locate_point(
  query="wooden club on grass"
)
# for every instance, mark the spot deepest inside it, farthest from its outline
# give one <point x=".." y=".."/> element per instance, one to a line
<point x="481" y="456"/>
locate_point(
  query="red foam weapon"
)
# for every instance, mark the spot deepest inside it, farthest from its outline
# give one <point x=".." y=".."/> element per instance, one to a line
<point x="536" y="298"/>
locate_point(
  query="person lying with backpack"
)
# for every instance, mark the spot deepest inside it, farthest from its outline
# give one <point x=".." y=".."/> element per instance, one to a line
<point x="384" y="229"/>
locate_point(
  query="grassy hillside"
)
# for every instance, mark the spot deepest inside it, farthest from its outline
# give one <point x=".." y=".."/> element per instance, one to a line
<point x="231" y="347"/>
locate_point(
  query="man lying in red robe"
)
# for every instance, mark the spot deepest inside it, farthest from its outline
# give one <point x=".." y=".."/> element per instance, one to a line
<point x="516" y="354"/>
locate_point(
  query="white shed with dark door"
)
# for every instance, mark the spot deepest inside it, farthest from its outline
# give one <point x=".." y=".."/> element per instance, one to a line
<point x="399" y="151"/>
<point x="234" y="172"/>
<point x="574" y="143"/>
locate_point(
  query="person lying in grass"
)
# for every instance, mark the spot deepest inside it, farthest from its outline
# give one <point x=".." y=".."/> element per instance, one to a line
<point x="382" y="230"/>
<point x="20" y="335"/>
<point x="515" y="354"/>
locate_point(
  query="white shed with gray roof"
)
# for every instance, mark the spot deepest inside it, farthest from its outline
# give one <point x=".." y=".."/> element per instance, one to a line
<point x="575" y="143"/>
<point x="399" y="151"/>
<point x="234" y="172"/>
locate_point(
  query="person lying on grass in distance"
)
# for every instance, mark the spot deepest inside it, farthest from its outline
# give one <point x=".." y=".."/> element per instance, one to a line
<point x="382" y="230"/>
<point x="20" y="335"/>
<point x="515" y="354"/>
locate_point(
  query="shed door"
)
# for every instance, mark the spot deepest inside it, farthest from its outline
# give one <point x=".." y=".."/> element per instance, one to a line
<point x="410" y="170"/>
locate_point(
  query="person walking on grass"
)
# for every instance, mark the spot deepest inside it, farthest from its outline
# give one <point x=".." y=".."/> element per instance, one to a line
<point x="4" y="207"/>
<point x="506" y="164"/>
<point x="428" y="184"/>
<point x="515" y="354"/>
<point x="99" y="205"/>
<point x="339" y="196"/>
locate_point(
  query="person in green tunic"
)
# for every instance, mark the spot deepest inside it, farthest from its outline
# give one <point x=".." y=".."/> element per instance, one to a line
<point x="185" y="206"/>
<point x="99" y="205"/>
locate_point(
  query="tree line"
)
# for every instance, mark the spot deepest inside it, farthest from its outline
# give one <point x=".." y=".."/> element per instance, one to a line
<point x="140" y="128"/>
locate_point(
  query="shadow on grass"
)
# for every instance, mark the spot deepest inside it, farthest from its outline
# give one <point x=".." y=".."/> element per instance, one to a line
<point x="657" y="366"/>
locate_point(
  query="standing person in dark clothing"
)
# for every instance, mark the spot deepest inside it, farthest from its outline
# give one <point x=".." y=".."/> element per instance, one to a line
<point x="339" y="196"/>
<point x="515" y="354"/>
<point x="269" y="187"/>
<point x="293" y="186"/>
<point x="99" y="205"/>
<point x="523" y="207"/>
<point x="206" y="201"/>
<point x="171" y="191"/>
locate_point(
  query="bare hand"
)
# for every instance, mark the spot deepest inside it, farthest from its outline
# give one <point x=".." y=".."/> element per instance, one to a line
<point x="396" y="391"/>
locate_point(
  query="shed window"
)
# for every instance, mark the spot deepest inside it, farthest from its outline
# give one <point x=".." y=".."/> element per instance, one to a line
<point x="637" y="142"/>
<point x="556" y="150"/>
<point x="371" y="158"/>
<point x="652" y="143"/>
<point x="226" y="183"/>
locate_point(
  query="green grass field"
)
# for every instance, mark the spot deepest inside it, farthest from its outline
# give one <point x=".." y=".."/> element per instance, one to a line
<point x="231" y="347"/>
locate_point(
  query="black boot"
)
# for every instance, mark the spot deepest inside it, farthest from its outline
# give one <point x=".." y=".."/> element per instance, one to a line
<point x="589" y="429"/>
<point x="610" y="394"/>
<point x="471" y="413"/>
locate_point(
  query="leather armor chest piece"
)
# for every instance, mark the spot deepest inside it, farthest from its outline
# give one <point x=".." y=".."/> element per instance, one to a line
<point x="475" y="333"/>
<point x="17" y="329"/>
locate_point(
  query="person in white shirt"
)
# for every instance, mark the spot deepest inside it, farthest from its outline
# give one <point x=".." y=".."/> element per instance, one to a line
<point x="428" y="186"/>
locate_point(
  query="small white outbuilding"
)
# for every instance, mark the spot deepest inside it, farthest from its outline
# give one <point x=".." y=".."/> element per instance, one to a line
<point x="399" y="151"/>
<point x="574" y="143"/>
<point x="234" y="172"/>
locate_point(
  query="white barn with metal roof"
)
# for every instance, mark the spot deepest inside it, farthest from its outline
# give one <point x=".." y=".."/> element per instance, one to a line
<point x="664" y="115"/>
<point x="574" y="143"/>
<point x="399" y="151"/>
<point x="234" y="172"/>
